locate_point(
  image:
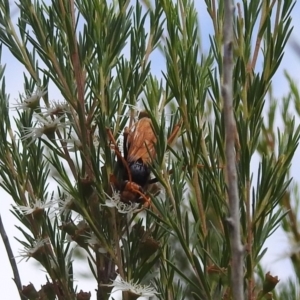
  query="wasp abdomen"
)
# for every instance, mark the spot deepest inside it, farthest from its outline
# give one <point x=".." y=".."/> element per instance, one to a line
<point x="139" y="172"/>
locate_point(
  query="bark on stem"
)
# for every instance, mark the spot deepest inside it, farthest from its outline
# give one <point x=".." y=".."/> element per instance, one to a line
<point x="230" y="131"/>
<point x="11" y="259"/>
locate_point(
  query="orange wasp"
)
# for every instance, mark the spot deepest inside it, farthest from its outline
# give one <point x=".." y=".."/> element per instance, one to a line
<point x="139" y="151"/>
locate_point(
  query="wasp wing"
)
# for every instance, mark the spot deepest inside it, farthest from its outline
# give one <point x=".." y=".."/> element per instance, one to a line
<point x="141" y="141"/>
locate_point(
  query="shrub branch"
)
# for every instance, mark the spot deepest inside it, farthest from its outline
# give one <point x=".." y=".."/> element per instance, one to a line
<point x="230" y="130"/>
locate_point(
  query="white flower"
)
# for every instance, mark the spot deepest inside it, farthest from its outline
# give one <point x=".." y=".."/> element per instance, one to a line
<point x="33" y="207"/>
<point x="115" y="201"/>
<point x="96" y="140"/>
<point x="64" y="205"/>
<point x="56" y="108"/>
<point x="96" y="136"/>
<point x="31" y="132"/>
<point x="31" y="100"/>
<point x="32" y="251"/>
<point x="94" y="241"/>
<point x="69" y="238"/>
<point x="46" y="127"/>
<point x="76" y="144"/>
<point x="50" y="123"/>
<point x="120" y="142"/>
<point x="120" y="284"/>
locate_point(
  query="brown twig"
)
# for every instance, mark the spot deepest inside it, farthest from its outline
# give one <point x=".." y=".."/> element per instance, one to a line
<point x="230" y="131"/>
<point x="199" y="201"/>
<point x="264" y="15"/>
<point x="249" y="241"/>
<point x="79" y="75"/>
<point x="11" y="258"/>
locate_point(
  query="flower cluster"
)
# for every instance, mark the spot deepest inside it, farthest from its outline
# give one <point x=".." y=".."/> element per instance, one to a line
<point x="34" y="249"/>
<point x="120" y="284"/>
<point x="48" y="119"/>
<point x="115" y="201"/>
<point x="46" y="126"/>
<point x="30" y="101"/>
<point x="33" y="208"/>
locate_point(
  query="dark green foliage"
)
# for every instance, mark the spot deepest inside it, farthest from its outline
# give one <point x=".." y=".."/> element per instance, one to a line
<point x="99" y="57"/>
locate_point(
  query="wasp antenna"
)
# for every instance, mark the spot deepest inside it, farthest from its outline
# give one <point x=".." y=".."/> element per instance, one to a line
<point x="118" y="153"/>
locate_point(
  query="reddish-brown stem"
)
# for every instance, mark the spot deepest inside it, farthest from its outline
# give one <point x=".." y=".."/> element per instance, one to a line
<point x="264" y="14"/>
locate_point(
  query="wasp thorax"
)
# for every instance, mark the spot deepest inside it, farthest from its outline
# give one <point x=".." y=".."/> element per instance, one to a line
<point x="139" y="172"/>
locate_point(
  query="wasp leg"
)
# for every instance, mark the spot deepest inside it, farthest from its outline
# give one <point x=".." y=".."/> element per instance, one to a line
<point x="146" y="203"/>
<point x="113" y="141"/>
<point x="145" y="199"/>
<point x="117" y="151"/>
